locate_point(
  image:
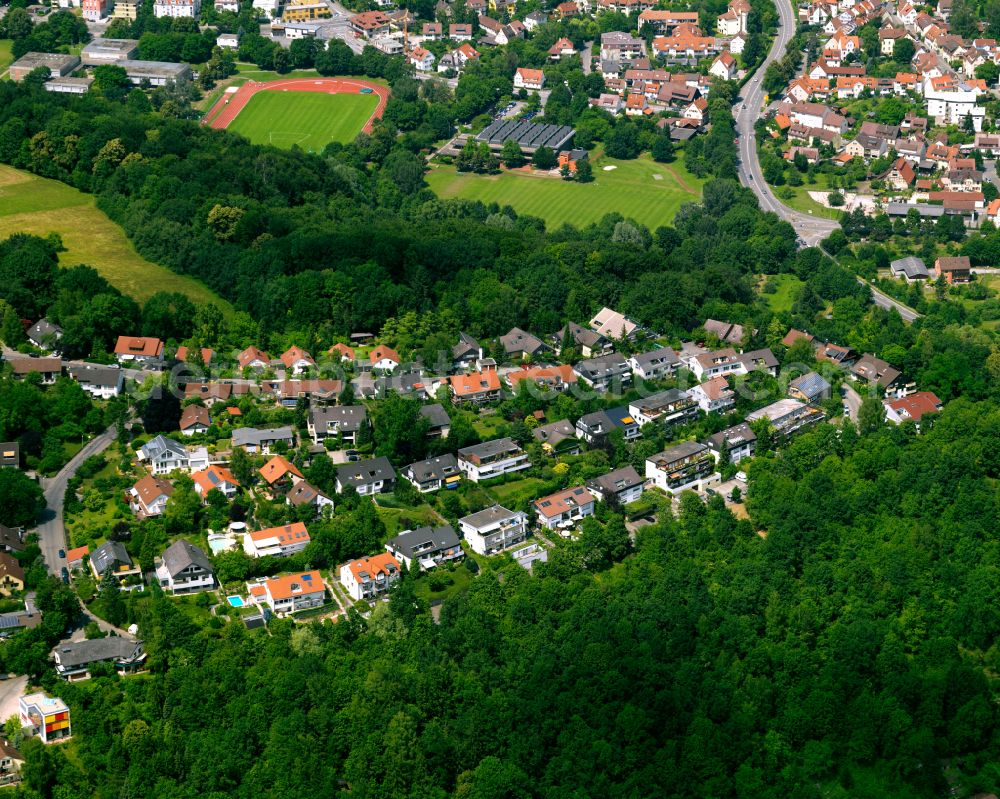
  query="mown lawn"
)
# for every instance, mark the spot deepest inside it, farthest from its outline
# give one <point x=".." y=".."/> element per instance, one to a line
<point x="784" y="297"/>
<point x="310" y="120"/>
<point x="643" y="190"/>
<point x="30" y="204"/>
<point x="6" y="54"/>
<point x="516" y="491"/>
<point x="801" y="201"/>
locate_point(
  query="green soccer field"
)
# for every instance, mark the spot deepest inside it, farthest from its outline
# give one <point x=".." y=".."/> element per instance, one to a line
<point x="310" y="120"/>
<point x="643" y="190"/>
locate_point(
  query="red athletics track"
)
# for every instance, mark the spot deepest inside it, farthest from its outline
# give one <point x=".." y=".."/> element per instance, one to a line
<point x="231" y="104"/>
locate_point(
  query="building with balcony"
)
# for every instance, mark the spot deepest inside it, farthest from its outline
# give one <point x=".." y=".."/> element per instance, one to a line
<point x="669" y="408"/>
<point x="564" y="508"/>
<point x="788" y="416"/>
<point x="426" y="547"/>
<point x="45" y="716"/>
<point x="492" y="459"/>
<point x="494" y="529"/>
<point x="369" y="578"/>
<point x="679" y="468"/>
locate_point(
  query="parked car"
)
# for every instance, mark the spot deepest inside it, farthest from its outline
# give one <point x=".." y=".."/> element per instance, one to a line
<point x="65" y="575"/>
<point x="62" y="553"/>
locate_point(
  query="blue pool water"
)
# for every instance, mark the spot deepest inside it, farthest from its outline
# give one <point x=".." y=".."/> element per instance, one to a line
<point x="236" y="601"/>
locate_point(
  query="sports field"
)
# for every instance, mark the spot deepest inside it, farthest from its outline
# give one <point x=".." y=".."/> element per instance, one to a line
<point x="30" y="204"/>
<point x="643" y="190"/>
<point x="309" y="119"/>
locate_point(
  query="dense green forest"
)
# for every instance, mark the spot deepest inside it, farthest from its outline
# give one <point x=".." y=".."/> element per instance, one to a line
<point x="842" y="646"/>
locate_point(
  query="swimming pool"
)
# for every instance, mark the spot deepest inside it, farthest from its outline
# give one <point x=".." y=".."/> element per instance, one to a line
<point x="235" y="601"/>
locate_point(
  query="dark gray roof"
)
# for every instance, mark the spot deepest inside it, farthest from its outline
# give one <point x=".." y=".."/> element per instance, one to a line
<point x="487" y="449"/>
<point x="655" y="357"/>
<point x="911" y="266"/>
<point x="733" y="436"/>
<point x="10" y="454"/>
<point x="242" y="436"/>
<point x="105" y="376"/>
<point x="108" y="555"/>
<point x="19" y="620"/>
<point x="436" y="415"/>
<point x="467" y="347"/>
<point x="518" y="340"/>
<point x="583" y="336"/>
<point x="364" y="472"/>
<point x="554" y="432"/>
<point x="603" y="422"/>
<point x="609" y="365"/>
<point x="758" y="359"/>
<point x="662" y="399"/>
<point x="685" y="450"/>
<point x="490" y="515"/>
<point x="424" y="541"/>
<point x="181" y="554"/>
<point x="811" y="385"/>
<point x="618" y="480"/>
<point x="161" y="445"/>
<point x="96" y="649"/>
<point x="348" y="418"/>
<point x="11" y="537"/>
<point x="434" y="468"/>
<point x="43" y="329"/>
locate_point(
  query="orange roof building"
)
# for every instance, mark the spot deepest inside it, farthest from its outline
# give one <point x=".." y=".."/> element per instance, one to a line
<point x="278" y="469"/>
<point x="368" y="578"/>
<point x="215" y="477"/>
<point x="138" y="348"/>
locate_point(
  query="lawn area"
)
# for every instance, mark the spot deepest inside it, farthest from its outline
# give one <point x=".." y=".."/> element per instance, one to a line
<point x="782" y="299"/>
<point x="398" y="519"/>
<point x="30" y="204"/>
<point x="309" y="119"/>
<point x="801" y="201"/>
<point x="643" y="190"/>
<point x="6" y="56"/>
<point x="442" y="582"/>
<point x="516" y="491"/>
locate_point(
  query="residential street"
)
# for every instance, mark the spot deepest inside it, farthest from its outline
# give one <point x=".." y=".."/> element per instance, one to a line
<point x="811" y="229"/>
<point x="51" y="532"/>
<point x="885" y="301"/>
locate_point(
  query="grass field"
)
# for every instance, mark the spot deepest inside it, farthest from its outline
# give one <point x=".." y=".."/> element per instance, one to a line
<point x="643" y="190"/>
<point x="6" y="56"/>
<point x="784" y="297"/>
<point x="30" y="204"/>
<point x="309" y="119"/>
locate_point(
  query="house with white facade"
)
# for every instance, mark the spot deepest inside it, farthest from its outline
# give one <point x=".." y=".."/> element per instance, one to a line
<point x="184" y="569"/>
<point x="279" y="542"/>
<point x="492" y="459"/>
<point x="369" y="578"/>
<point x="494" y="529"/>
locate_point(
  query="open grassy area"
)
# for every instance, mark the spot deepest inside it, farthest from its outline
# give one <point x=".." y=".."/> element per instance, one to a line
<point x="643" y="190"/>
<point x="398" y="519"/>
<point x="787" y="287"/>
<point x="30" y="204"/>
<point x="801" y="201"/>
<point x="6" y="56"/>
<point x="309" y="119"/>
<point x="516" y="491"/>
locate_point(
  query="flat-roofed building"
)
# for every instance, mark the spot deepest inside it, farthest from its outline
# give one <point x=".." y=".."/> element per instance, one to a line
<point x="68" y="85"/>
<point x="158" y="73"/>
<point x="108" y="51"/>
<point x="46" y="716"/>
<point x="59" y="64"/>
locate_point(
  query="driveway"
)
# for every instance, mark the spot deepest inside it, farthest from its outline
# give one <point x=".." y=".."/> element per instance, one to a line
<point x="10" y="691"/>
<point x="852" y="402"/>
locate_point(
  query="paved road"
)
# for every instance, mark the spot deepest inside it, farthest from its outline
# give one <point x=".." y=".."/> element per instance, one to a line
<point x="586" y="55"/>
<point x="852" y="401"/>
<point x="887" y="302"/>
<point x="811" y="229"/>
<point x="52" y="532"/>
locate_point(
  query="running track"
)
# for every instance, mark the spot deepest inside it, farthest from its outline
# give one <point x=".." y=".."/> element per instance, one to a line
<point x="229" y="106"/>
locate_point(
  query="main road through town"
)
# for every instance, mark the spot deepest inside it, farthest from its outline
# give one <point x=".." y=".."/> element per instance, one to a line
<point x="811" y="229"/>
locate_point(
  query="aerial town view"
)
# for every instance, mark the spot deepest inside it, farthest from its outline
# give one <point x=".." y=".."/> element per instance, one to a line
<point x="499" y="399"/>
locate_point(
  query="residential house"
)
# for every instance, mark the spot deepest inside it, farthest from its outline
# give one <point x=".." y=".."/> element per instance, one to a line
<point x="209" y="393"/>
<point x="814" y="115"/>
<point x="955" y="269"/>
<point x="665" y="21"/>
<point x="726" y="332"/>
<point x="434" y="473"/>
<point x="910" y="269"/>
<point x="75" y="659"/>
<point x="45" y="335"/>
<point x="138" y="350"/>
<point x="343" y="421"/>
<point x="426" y="547"/>
<point x="670" y="407"/>
<point x="11" y="574"/>
<point x="50" y="369"/>
<point x="914" y="407"/>
<point x="534" y="20"/>
<point x="262" y="440"/>
<point x="604" y="372"/>
<point x="834" y="353"/>
<point x="619" y="487"/>
<point x="950" y="102"/>
<point x="874" y="370"/>
<point x="11" y="539"/>
<point x="466" y="352"/>
<point x="303" y="493"/>
<point x="216" y="478"/>
<point x="724" y="66"/>
<point x="163" y="455"/>
<point x="735" y="443"/>
<point x="476" y="387"/>
<point x="45" y="716"/>
<point x="788" y="416"/>
<point x="595" y="428"/>
<point x="11" y="761"/>
<point x="369" y="578"/>
<point x="888" y="36"/>
<point x="101" y="382"/>
<point x="278" y="542"/>
<point x="714" y="395"/>
<point x="367" y="477"/>
<point x="794" y="335"/>
<point x="253" y="358"/>
<point x="561" y="49"/>
<point x="810" y="388"/>
<point x="520" y="344"/>
<point x="205" y="354"/>
<point x="557" y="438"/>
<point x="901" y="174"/>
<point x="759" y="361"/>
<point x="369" y="24"/>
<point x="297" y="360"/>
<point x="194" y="419"/>
<point x="184" y="569"/>
<point x="492" y="459"/>
<point x="438" y="421"/>
<point x="619" y="46"/>
<point x="494" y="529"/>
<point x="112" y="558"/>
<point x="682" y="467"/>
<point x="716" y="363"/>
<point x="279" y="473"/>
<point x="432" y="31"/>
<point x="564" y="508"/>
<point x="291" y="593"/>
<point x="547" y="378"/>
<point x="588" y="342"/>
<point x="654" y="365"/>
<point x="525" y="78"/>
<point x="148" y="497"/>
<point x="422" y="59"/>
<point x="460" y="32"/>
<point x="613" y="325"/>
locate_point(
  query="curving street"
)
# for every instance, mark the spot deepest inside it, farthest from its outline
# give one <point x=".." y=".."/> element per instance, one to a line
<point x="811" y="229"/>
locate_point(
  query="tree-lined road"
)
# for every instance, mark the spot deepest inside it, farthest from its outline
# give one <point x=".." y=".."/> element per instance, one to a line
<point x="810" y="229"/>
